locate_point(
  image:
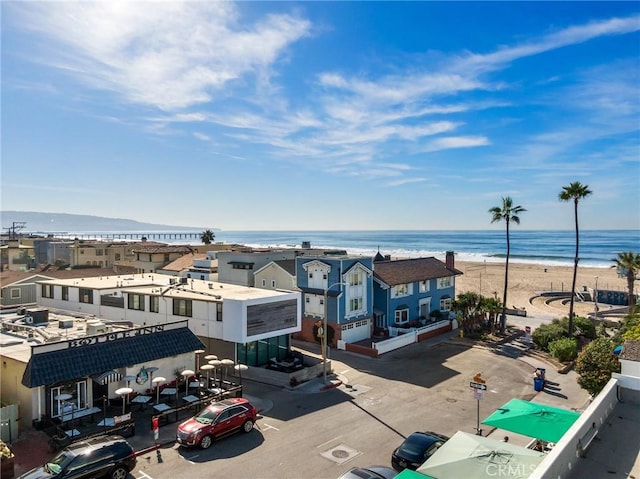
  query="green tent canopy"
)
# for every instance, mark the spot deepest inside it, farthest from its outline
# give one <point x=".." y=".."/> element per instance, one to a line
<point x="469" y="456"/>
<point x="409" y="474"/>
<point x="535" y="420"/>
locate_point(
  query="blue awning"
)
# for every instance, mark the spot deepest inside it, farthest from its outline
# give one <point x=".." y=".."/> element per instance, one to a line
<point x="71" y="363"/>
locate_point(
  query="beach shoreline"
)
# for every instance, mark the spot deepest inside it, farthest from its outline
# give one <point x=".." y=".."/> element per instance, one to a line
<point x="527" y="280"/>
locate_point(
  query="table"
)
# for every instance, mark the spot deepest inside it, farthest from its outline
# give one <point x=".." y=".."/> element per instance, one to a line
<point x="161" y="407"/>
<point x="107" y="422"/>
<point x="191" y="399"/>
<point x="142" y="400"/>
<point x="169" y="392"/>
<point x="72" y="432"/>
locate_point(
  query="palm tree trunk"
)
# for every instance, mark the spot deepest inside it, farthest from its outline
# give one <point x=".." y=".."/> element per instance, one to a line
<point x="503" y="316"/>
<point x="575" y="270"/>
<point x="631" y="300"/>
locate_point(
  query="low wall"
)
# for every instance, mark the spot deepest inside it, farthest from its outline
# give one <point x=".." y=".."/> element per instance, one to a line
<point x="413" y="335"/>
<point x="9" y="425"/>
<point x="570" y="448"/>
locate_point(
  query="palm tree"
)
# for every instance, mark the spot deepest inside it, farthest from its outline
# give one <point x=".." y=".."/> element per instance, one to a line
<point x="508" y="213"/>
<point x="207" y="236"/>
<point x="575" y="191"/>
<point x="629" y="264"/>
<point x="492" y="307"/>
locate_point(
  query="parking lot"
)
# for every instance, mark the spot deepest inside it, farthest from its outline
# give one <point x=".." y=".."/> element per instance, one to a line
<point x="312" y="434"/>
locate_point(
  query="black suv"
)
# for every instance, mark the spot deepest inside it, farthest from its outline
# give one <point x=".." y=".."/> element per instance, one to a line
<point x="104" y="456"/>
<point x="416" y="449"/>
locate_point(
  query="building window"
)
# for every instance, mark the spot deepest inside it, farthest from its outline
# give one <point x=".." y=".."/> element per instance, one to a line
<point x="182" y="307"/>
<point x="65" y="293"/>
<point x="15" y="293"/>
<point x="445" y="304"/>
<point x="154" y="304"/>
<point x="117" y="256"/>
<point x="86" y="295"/>
<point x="273" y="283"/>
<point x="424" y="286"/>
<point x="135" y="301"/>
<point x="218" y="311"/>
<point x="444" y="282"/>
<point x="47" y="291"/>
<point x="400" y="290"/>
<point x="402" y="316"/>
<point x="355" y="279"/>
<point x="167" y="258"/>
<point x="355" y="304"/>
<point x="264" y="283"/>
<point x="99" y="252"/>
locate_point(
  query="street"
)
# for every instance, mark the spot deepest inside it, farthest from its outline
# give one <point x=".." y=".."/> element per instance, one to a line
<point x="321" y="435"/>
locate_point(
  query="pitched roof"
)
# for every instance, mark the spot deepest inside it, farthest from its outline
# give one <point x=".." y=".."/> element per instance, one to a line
<point x="183" y="262"/>
<point x="403" y="271"/>
<point x="289" y="265"/>
<point x="70" y="363"/>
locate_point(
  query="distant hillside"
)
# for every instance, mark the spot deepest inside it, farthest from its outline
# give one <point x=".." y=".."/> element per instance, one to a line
<point x="63" y="222"/>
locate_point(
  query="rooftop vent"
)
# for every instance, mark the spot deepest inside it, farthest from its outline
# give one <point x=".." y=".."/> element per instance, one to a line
<point x="65" y="323"/>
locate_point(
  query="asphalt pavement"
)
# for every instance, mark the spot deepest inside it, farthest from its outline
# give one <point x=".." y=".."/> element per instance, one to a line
<point x="31" y="448"/>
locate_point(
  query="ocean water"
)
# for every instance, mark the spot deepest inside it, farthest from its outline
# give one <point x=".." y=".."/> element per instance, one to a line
<point x="597" y="247"/>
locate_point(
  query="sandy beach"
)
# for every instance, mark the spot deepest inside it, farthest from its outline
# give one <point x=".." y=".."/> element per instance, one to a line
<point x="527" y="280"/>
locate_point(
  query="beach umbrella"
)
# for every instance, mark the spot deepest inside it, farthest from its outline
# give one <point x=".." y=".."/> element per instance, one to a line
<point x="128" y="378"/>
<point x="240" y="368"/>
<point x="226" y="363"/>
<point x="216" y="363"/>
<point x="409" y="474"/>
<point x="186" y="373"/>
<point x="532" y="419"/>
<point x="470" y="456"/>
<point x="207" y="368"/>
<point x="122" y="392"/>
<point x="157" y="380"/>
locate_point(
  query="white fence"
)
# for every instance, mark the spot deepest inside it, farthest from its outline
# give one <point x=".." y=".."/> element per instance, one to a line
<point x="408" y="336"/>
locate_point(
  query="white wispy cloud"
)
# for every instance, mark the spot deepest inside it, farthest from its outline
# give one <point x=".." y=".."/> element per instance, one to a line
<point x="169" y="55"/>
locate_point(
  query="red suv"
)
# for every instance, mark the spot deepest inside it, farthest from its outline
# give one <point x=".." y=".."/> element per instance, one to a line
<point x="217" y="420"/>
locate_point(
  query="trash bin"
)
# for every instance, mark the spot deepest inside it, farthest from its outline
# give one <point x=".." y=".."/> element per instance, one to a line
<point x="538" y="384"/>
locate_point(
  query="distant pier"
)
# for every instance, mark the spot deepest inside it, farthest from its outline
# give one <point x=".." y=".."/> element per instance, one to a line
<point x="128" y="236"/>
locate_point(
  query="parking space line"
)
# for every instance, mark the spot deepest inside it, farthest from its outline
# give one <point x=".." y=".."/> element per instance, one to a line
<point x="144" y="475"/>
<point x="266" y="426"/>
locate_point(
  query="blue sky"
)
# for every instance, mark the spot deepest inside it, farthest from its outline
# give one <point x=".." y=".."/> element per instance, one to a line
<point x="305" y="115"/>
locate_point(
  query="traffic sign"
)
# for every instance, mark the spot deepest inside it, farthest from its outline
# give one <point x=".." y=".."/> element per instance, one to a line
<point x="478" y="394"/>
<point x="478" y="386"/>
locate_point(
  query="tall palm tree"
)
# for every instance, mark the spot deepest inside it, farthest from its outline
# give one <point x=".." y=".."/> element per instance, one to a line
<point x="629" y="263"/>
<point x="207" y="236"/>
<point x="508" y="212"/>
<point x="575" y="191"/>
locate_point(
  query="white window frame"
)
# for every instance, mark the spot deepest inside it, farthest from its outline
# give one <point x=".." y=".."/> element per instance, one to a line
<point x="398" y="313"/>
<point x="401" y="290"/>
<point x="445" y="305"/>
<point x="425" y="286"/>
<point x="446" y="282"/>
<point x="16" y="293"/>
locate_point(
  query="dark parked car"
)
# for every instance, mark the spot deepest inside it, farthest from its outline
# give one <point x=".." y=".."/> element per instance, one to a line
<point x="416" y="449"/>
<point x="216" y="420"/>
<point x="97" y="457"/>
<point x="371" y="472"/>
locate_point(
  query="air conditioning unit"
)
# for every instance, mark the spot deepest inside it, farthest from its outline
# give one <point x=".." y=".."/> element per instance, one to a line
<point x="97" y="327"/>
<point x="65" y="323"/>
<point x="172" y="281"/>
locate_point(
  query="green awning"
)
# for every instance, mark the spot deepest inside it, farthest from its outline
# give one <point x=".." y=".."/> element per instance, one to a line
<point x="535" y="420"/>
<point x="409" y="474"/>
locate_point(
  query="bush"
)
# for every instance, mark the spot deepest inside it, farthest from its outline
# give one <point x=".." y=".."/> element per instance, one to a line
<point x="564" y="349"/>
<point x="583" y="326"/>
<point x="547" y="333"/>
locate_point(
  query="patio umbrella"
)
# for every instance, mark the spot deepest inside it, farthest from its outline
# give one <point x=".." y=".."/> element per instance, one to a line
<point x="471" y="456"/>
<point x="409" y="474"/>
<point x="532" y="419"/>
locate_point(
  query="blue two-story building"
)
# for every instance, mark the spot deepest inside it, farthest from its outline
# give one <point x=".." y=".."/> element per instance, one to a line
<point x="340" y="288"/>
<point x="412" y="292"/>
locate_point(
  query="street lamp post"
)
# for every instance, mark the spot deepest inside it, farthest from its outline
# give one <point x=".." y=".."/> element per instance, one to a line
<point x="325" y="330"/>
<point x="595" y="299"/>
